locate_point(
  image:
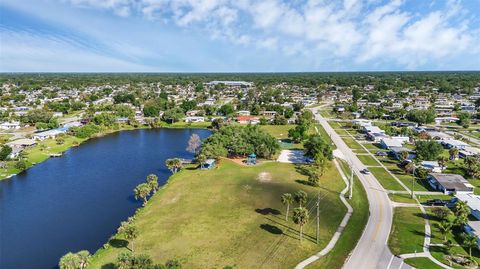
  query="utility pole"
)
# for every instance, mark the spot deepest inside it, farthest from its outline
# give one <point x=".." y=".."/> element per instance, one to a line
<point x="413" y="177"/>
<point x="318" y="218"/>
<point x="351" y="182"/>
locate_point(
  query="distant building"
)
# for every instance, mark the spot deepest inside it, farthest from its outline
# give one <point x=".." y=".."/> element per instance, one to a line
<point x="14" y="125"/>
<point x="231" y="83"/>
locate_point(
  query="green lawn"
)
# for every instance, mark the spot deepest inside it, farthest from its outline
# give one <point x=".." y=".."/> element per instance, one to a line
<point x="335" y="124"/>
<point x="341" y="132"/>
<point x="277" y="131"/>
<point x="420" y="184"/>
<point x="422" y="263"/>
<point x="387" y="181"/>
<point x="408" y="231"/>
<point x="231" y="215"/>
<point x="353" y="231"/>
<point x="406" y="198"/>
<point x="368" y="160"/>
<point x="351" y="143"/>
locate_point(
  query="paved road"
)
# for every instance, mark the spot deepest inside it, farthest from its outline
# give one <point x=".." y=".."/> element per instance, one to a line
<point x="371" y="251"/>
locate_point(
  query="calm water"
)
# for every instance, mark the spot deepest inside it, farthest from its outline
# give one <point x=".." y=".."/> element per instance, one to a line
<point x="78" y="200"/>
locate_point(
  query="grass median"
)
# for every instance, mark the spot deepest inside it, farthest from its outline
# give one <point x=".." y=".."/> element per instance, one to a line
<point x="385" y="179"/>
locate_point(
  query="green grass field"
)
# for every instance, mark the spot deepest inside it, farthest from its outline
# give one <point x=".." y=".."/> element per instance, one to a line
<point x="387" y="181"/>
<point x="231" y="215"/>
<point x="406" y="198"/>
<point x="353" y="231"/>
<point x="408" y="231"/>
<point x="422" y="263"/>
<point x="277" y="131"/>
<point x="368" y="160"/>
<point x="351" y="143"/>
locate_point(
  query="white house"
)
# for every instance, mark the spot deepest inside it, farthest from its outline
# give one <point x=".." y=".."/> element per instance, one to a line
<point x="453" y="143"/>
<point x="473" y="201"/>
<point x="49" y="134"/>
<point x="14" y="125"/>
<point x="388" y="143"/>
<point x="194" y="119"/>
<point x="432" y="166"/>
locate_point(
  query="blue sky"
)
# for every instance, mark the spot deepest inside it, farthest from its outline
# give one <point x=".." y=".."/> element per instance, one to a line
<point x="238" y="35"/>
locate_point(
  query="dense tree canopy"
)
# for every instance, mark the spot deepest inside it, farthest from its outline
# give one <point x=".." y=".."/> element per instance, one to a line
<point x="428" y="150"/>
<point x="240" y="140"/>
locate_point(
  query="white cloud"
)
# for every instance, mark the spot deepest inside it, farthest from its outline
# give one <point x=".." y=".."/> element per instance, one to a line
<point x="366" y="31"/>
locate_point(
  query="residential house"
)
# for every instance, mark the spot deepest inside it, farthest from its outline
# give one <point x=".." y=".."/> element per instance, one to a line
<point x="453" y="143"/>
<point x="449" y="183"/>
<point x="195" y="119"/>
<point x="247" y="120"/>
<point x="432" y="166"/>
<point x="13" y="125"/>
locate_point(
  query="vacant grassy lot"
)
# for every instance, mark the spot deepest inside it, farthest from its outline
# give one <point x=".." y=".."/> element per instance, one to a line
<point x="368" y="160"/>
<point x="277" y="131"/>
<point x="231" y="215"/>
<point x="347" y="241"/>
<point x="420" y="184"/>
<point x="387" y="181"/>
<point x="422" y="263"/>
<point x="408" y="231"/>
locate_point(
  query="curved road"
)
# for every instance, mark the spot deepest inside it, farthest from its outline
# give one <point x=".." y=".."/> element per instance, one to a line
<point x="371" y="251"/>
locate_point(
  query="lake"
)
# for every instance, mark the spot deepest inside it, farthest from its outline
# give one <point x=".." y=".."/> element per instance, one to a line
<point x="77" y="201"/>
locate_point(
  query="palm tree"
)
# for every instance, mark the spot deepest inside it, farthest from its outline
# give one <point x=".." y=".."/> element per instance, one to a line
<point x="131" y="233"/>
<point x="173" y="164"/>
<point x="461" y="209"/>
<point x="152" y="181"/>
<point x="142" y="191"/>
<point x="445" y="227"/>
<point x="300" y="217"/>
<point x="69" y="261"/>
<point x="403" y="155"/>
<point x="300" y="197"/>
<point x="84" y="258"/>
<point x="124" y="260"/>
<point x="469" y="241"/>
<point x="409" y="168"/>
<point x="287" y="199"/>
<point x="442" y="161"/>
<point x="453" y="153"/>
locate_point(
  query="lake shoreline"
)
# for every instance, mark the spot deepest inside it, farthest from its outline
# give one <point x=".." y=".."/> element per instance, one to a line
<point x="80" y="141"/>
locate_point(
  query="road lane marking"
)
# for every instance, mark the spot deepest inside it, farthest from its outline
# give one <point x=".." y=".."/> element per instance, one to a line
<point x="390" y="262"/>
<point x="401" y="264"/>
<point x="378" y="226"/>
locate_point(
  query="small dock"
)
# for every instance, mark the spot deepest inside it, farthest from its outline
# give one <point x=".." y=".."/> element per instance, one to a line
<point x="55" y="154"/>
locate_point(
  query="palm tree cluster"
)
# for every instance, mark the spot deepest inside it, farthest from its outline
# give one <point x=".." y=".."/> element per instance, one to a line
<point x="143" y="190"/>
<point x="79" y="260"/>
<point x="127" y="260"/>
<point x="300" y="214"/>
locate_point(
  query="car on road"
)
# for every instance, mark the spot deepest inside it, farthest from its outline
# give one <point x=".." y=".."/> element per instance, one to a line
<point x="381" y="153"/>
<point x="365" y="171"/>
<point x="436" y="202"/>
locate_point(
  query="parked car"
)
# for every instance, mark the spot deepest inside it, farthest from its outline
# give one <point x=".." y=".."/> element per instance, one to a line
<point x="381" y="153"/>
<point x="365" y="171"/>
<point x="437" y="202"/>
